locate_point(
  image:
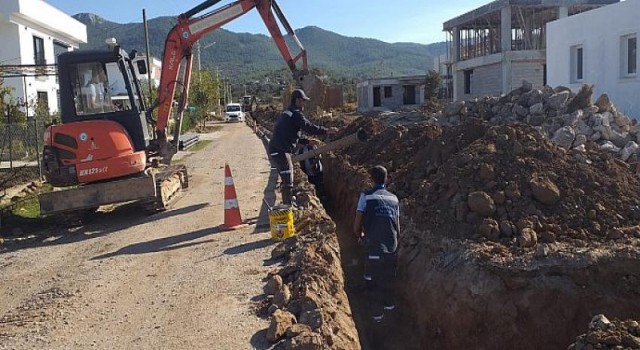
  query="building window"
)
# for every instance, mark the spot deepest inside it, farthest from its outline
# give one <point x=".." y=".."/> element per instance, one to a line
<point x="468" y="74"/>
<point x="577" y="63"/>
<point x="388" y="92"/>
<point x="43" y="100"/>
<point x="38" y="51"/>
<point x="58" y="48"/>
<point x="629" y="55"/>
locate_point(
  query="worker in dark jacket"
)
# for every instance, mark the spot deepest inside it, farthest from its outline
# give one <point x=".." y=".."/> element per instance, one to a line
<point x="285" y="139"/>
<point x="377" y="225"/>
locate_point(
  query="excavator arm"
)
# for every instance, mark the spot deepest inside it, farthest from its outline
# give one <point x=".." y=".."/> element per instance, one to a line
<point x="178" y="57"/>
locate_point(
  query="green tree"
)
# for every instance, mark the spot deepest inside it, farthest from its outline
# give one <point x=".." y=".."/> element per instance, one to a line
<point x="432" y="85"/>
<point x="9" y="106"/>
<point x="42" y="113"/>
<point x="144" y="86"/>
<point x="204" y="93"/>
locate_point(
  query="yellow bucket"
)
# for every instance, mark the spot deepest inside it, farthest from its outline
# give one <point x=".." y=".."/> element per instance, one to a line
<point x="281" y="222"/>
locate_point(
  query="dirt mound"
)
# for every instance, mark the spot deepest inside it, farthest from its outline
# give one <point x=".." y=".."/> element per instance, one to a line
<point x="482" y="182"/>
<point x="500" y="224"/>
<point x="500" y="227"/>
<point x="605" y="334"/>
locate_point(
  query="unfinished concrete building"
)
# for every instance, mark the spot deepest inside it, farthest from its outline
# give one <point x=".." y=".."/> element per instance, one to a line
<point x="493" y="48"/>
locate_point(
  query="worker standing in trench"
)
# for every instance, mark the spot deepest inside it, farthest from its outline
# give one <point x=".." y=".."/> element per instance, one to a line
<point x="377" y="225"/>
<point x="285" y="139"/>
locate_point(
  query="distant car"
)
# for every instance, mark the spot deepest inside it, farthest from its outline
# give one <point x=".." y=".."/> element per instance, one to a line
<point x="233" y="113"/>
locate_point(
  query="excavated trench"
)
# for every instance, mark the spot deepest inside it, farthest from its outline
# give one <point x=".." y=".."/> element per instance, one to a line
<point x="398" y="331"/>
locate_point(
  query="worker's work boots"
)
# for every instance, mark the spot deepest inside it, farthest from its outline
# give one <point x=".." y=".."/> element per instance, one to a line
<point x="288" y="198"/>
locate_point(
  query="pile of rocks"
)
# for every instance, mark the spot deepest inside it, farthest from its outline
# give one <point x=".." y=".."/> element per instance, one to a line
<point x="569" y="119"/>
<point x="605" y="334"/>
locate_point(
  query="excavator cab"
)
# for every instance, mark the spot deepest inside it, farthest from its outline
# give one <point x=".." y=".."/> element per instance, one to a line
<point x="104" y="132"/>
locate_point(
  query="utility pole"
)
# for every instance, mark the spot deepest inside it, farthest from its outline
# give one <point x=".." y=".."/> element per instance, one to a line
<point x="199" y="49"/>
<point x="199" y="52"/>
<point x="146" y="42"/>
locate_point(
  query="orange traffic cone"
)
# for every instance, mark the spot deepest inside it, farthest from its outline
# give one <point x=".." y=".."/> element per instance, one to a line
<point x="232" y="219"/>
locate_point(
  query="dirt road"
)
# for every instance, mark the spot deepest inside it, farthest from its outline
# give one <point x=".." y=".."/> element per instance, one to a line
<point x="172" y="280"/>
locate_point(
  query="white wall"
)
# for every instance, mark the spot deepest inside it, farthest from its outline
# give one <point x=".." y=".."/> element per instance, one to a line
<point x="599" y="32"/>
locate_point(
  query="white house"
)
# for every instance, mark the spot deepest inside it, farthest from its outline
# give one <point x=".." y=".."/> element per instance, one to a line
<point x="33" y="32"/>
<point x="391" y="93"/>
<point x="155" y="69"/>
<point x="598" y="47"/>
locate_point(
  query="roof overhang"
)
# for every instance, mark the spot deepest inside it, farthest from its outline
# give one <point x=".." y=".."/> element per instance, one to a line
<point x="498" y="5"/>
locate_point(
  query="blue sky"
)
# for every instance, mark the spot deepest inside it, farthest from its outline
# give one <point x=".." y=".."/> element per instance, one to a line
<point x="418" y="21"/>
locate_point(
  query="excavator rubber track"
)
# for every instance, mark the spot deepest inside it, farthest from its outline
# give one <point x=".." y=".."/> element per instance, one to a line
<point x="156" y="189"/>
<point x="169" y="181"/>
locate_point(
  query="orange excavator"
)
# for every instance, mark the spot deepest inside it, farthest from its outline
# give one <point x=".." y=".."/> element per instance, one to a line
<point x="109" y="147"/>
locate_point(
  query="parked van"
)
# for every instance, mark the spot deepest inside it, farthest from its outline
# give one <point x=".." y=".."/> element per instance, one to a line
<point x="233" y="113"/>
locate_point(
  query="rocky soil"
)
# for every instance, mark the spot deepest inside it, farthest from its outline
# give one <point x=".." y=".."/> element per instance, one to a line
<point x="606" y="334"/>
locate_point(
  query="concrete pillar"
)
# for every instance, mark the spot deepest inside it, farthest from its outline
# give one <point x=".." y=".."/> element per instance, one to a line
<point x="455" y="57"/>
<point x="505" y="45"/>
<point x="563" y="11"/>
<point x="454" y="82"/>
<point x="505" y="29"/>
<point x="455" y="49"/>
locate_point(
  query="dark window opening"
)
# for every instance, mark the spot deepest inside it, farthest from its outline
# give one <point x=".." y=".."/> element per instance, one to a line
<point x="409" y="94"/>
<point x="467" y="81"/>
<point x="632" y="46"/>
<point x="59" y="48"/>
<point x="579" y="64"/>
<point x="43" y="99"/>
<point x="544" y="75"/>
<point x="388" y="92"/>
<point x="377" y="102"/>
<point x="38" y="51"/>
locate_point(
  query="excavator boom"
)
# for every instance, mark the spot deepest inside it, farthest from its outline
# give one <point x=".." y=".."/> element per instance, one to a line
<point x="178" y="54"/>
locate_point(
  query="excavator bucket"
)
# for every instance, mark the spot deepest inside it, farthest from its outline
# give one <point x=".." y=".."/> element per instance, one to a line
<point x="313" y="87"/>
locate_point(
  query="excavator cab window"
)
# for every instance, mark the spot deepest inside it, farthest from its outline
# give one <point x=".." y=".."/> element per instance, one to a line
<point x="91" y="90"/>
<point x="134" y="87"/>
<point x="117" y="87"/>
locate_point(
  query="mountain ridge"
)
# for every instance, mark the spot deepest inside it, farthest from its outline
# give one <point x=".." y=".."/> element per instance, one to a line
<point x="246" y="56"/>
